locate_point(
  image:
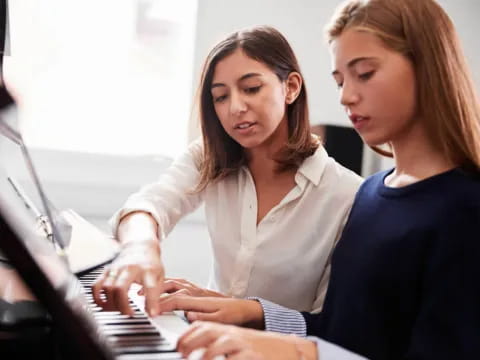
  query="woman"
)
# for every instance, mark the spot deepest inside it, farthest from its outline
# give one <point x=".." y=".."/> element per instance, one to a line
<point x="404" y="276"/>
<point x="272" y="195"/>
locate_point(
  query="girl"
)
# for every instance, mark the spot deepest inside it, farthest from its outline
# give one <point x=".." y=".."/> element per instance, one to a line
<point x="275" y="202"/>
<point x="404" y="281"/>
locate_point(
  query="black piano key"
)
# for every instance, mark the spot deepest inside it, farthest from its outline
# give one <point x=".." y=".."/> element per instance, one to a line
<point x="139" y="349"/>
<point x="122" y="322"/>
<point x="140" y="340"/>
<point x="130" y="332"/>
<point x="158" y="356"/>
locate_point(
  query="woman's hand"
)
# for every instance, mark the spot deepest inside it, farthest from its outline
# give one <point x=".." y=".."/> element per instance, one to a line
<point x="224" y="310"/>
<point x="139" y="261"/>
<point x="241" y="344"/>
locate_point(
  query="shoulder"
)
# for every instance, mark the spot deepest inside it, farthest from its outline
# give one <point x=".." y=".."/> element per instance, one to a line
<point x="374" y="181"/>
<point x="461" y="192"/>
<point x="192" y="155"/>
<point x="322" y="169"/>
<point x="195" y="148"/>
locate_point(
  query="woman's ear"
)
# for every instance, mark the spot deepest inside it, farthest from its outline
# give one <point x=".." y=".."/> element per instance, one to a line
<point x="294" y="86"/>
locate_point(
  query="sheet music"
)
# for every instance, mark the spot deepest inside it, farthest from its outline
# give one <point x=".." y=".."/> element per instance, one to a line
<point x="89" y="247"/>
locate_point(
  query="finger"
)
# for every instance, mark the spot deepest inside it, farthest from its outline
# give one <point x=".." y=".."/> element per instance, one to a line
<point x="97" y="290"/>
<point x="121" y="286"/>
<point x="168" y="297"/>
<point x="188" y="303"/>
<point x="200" y="316"/>
<point x="191" y="328"/>
<point x="109" y="294"/>
<point x="182" y="281"/>
<point x="183" y="343"/>
<point x="153" y="286"/>
<point x="171" y="286"/>
<point x="225" y="345"/>
<point x="182" y="292"/>
<point x="200" y="337"/>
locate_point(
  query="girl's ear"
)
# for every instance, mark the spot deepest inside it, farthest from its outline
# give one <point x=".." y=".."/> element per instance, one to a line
<point x="294" y="86"/>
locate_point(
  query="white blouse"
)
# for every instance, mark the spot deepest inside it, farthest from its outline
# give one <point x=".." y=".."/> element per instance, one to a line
<point x="285" y="258"/>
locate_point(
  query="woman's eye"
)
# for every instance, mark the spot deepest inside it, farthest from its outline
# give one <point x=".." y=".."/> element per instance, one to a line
<point x="339" y="85"/>
<point x="366" y="76"/>
<point x="253" y="90"/>
<point x="219" y="99"/>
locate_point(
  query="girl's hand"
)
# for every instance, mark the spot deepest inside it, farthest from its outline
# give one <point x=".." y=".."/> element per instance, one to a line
<point x="224" y="310"/>
<point x="184" y="287"/>
<point x="241" y="344"/>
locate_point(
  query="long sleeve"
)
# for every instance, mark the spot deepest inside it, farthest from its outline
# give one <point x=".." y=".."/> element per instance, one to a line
<point x="171" y="197"/>
<point x="286" y="321"/>
<point x="280" y="319"/>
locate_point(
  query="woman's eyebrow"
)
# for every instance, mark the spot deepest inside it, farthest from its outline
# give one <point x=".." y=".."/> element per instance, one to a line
<point x="243" y="77"/>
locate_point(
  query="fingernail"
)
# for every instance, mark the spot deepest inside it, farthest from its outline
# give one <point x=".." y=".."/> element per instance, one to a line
<point x="192" y="316"/>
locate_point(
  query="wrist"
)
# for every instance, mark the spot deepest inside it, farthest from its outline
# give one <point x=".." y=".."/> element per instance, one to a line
<point x="253" y="314"/>
<point x="139" y="227"/>
<point x="147" y="245"/>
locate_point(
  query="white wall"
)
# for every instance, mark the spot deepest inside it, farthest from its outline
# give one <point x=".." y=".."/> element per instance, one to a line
<point x="465" y="15"/>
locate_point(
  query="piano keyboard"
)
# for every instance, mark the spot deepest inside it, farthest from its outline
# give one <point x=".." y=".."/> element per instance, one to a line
<point x="130" y="338"/>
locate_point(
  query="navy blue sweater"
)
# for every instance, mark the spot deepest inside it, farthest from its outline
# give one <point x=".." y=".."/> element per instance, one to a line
<point x="405" y="280"/>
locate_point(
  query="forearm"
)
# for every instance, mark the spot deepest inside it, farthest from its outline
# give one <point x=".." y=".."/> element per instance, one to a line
<point x="138" y="228"/>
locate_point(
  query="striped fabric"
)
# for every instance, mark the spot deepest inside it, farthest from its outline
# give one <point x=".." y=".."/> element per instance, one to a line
<point x="281" y="319"/>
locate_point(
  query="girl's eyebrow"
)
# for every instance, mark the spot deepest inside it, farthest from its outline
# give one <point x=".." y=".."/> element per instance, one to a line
<point x="353" y="62"/>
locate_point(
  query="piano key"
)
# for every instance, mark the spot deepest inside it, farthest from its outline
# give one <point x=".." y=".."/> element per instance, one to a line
<point x="126" y="332"/>
<point x="139" y="349"/>
<point x="134" y="339"/>
<point x="159" y="356"/>
<point x="131" y="337"/>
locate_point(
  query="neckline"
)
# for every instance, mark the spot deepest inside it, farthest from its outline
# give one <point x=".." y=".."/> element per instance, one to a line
<point x="385" y="190"/>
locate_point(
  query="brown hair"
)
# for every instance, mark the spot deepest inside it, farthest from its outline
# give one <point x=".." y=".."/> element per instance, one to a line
<point x="423" y="32"/>
<point x="221" y="154"/>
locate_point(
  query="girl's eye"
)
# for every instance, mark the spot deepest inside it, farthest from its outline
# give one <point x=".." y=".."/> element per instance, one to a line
<point x="339" y="85"/>
<point x="366" y="76"/>
<point x="253" y="90"/>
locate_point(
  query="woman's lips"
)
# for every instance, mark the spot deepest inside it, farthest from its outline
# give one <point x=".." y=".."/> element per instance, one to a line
<point x="244" y="127"/>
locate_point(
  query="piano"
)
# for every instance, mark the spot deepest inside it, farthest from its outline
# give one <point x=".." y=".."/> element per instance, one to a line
<point x="60" y="296"/>
<point x="82" y="330"/>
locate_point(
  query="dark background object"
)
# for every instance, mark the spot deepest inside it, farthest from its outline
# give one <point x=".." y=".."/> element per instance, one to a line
<point x="343" y="144"/>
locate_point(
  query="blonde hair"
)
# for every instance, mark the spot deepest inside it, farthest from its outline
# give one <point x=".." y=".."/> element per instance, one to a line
<point x="423" y="32"/>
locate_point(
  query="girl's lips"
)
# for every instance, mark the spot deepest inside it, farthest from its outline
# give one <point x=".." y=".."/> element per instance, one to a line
<point x="359" y="121"/>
